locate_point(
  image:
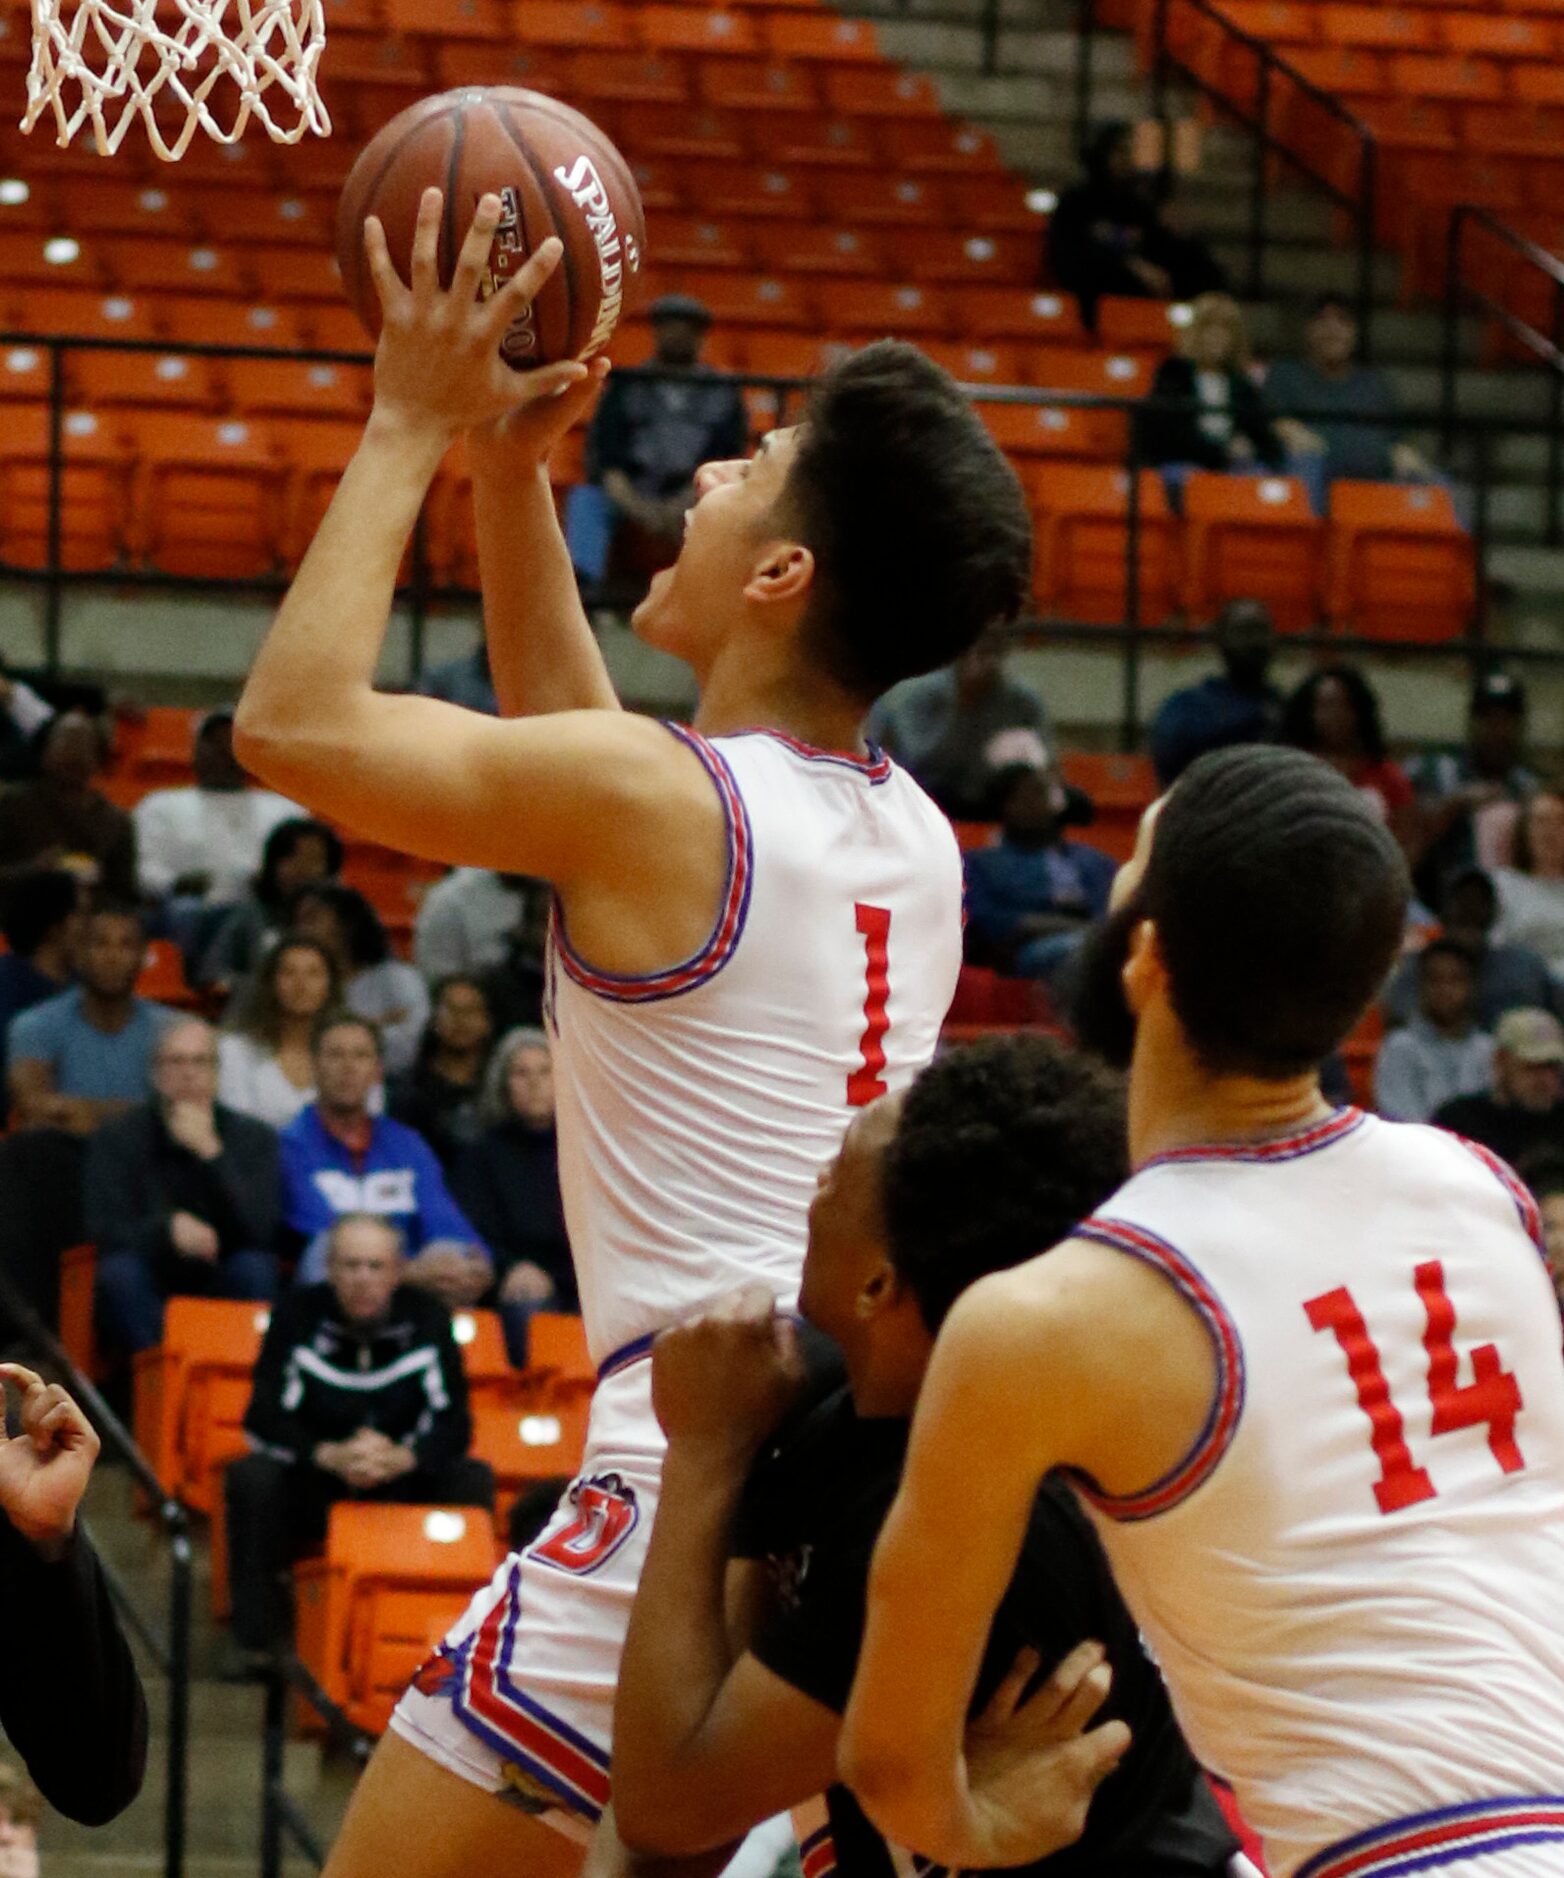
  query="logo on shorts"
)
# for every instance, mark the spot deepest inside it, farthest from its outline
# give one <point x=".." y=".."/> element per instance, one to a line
<point x="602" y="1514"/>
<point x="436" y="1676"/>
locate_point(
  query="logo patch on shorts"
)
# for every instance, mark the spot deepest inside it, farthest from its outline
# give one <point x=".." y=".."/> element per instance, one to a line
<point x="604" y="1513"/>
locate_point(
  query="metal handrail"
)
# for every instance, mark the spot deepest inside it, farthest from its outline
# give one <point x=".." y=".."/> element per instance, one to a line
<point x="1549" y="350"/>
<point x="171" y="1650"/>
<point x="282" y="1818"/>
<point x="1361" y="204"/>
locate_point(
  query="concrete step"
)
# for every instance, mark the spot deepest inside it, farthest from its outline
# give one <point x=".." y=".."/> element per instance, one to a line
<point x="1536" y="573"/>
<point x="1294" y="270"/>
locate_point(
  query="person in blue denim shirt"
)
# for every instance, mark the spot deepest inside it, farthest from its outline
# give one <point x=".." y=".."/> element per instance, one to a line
<point x="1031" y="897"/>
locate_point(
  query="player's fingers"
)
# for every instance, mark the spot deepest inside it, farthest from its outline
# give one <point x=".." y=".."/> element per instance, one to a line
<point x="476" y="248"/>
<point x="388" y="283"/>
<point x="1006" y="1699"/>
<point x="1098" y="1753"/>
<point x="426" y="245"/>
<point x="1088" y="1696"/>
<point x="526" y="283"/>
<point x="1067" y="1677"/>
<point x="549" y="381"/>
<point x="20" y="1376"/>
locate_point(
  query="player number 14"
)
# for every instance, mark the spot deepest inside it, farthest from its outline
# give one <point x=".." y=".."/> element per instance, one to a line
<point x="1492" y="1399"/>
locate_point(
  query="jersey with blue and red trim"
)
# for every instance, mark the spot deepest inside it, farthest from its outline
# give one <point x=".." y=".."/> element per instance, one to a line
<point x="1353" y="1580"/>
<point x="697" y="1105"/>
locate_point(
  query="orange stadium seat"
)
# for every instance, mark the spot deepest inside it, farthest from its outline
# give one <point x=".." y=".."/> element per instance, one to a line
<point x="948" y="254"/>
<point x="1499" y="35"/>
<point x="276" y="217"/>
<point x="475" y="62"/>
<point x="817" y="140"/>
<point x="941" y="148"/>
<point x="234" y="323"/>
<point x="1017" y="313"/>
<point x="162" y="979"/>
<point x="1121" y="787"/>
<point x="696" y="241"/>
<point x="880" y="199"/>
<point x="559" y="1365"/>
<point x="744" y="299"/>
<point x="110" y="206"/>
<point x="1252" y="537"/>
<point x="1082" y="544"/>
<point x="354" y="15"/>
<point x="491" y="1377"/>
<point x="450" y="19"/>
<point x="783" y="355"/>
<point x="178" y="267"/>
<point x="96" y="487"/>
<point x="1401" y="565"/>
<point x="209" y="497"/>
<point x="815" y="248"/>
<point x="1388" y="28"/>
<point x="972" y="364"/>
<point x="1348" y="71"/>
<point x="630" y="77"/>
<point x="572" y="23"/>
<point x="25" y="262"/>
<point x="1129" y="325"/>
<point x="1277" y="22"/>
<point x="527" y="1445"/>
<point x="78" y="1330"/>
<point x="87" y="314"/>
<point x="1104" y="375"/>
<point x="757" y="84"/>
<point x="376" y="58"/>
<point x="291" y="274"/>
<point x="653" y="130"/>
<point x="190" y="1393"/>
<point x="822" y="33"/>
<point x="985" y="1001"/>
<point x="997" y="205"/>
<point x="25" y="374"/>
<point x="163" y="743"/>
<point x="1034" y="430"/>
<point x="877" y="309"/>
<point x="168" y="381"/>
<point x="297" y="388"/>
<point x="868" y="91"/>
<point x="758" y="192"/>
<point x="332" y="328"/>
<point x="1438" y="75"/>
<point x="696" y="29"/>
<point x="392" y="1581"/>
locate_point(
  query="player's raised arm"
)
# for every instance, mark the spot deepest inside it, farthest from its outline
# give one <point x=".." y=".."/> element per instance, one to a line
<point x="542" y="650"/>
<point x="538" y="797"/>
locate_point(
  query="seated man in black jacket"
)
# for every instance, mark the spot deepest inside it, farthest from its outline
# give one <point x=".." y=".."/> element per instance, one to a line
<point x="71" y="1702"/>
<point x="182" y="1197"/>
<point x="359" y="1394"/>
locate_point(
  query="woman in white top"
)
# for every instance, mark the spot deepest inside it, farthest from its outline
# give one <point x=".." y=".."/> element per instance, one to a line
<point x="265" y="1061"/>
<point x="387" y="991"/>
<point x="1531" y="891"/>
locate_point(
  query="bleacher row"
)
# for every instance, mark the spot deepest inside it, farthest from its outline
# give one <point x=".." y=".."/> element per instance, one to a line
<point x="1464" y="106"/>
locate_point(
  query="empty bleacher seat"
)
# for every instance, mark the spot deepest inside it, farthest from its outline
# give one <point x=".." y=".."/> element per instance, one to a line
<point x="1252" y="538"/>
<point x="95" y="490"/>
<point x="191" y="1393"/>
<point x="1083" y="544"/>
<point x="1401" y="565"/>
<point x="209" y="496"/>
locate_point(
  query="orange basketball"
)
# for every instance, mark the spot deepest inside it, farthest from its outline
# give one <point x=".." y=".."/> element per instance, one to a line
<point x="555" y="174"/>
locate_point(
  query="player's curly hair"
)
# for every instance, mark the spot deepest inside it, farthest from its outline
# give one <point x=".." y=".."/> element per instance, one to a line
<point x="921" y="533"/>
<point x="1280" y="899"/>
<point x="1002" y="1147"/>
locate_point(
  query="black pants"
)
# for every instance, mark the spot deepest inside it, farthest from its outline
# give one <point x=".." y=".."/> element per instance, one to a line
<point x="277" y="1510"/>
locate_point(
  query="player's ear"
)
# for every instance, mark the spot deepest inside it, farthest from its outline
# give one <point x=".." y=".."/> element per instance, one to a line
<point x="783" y="571"/>
<point x="1145" y="974"/>
<point x="878" y="1293"/>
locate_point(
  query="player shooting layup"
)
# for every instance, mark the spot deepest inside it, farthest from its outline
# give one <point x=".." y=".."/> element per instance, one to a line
<point x="1306" y="1367"/>
<point x="758" y="922"/>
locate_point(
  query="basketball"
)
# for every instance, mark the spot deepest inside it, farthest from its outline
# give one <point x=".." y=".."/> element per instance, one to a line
<point x="554" y="172"/>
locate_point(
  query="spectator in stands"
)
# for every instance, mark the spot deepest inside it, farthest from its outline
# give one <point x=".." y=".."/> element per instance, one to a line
<point x="180" y="1197"/>
<point x="21" y="1809"/>
<point x="1441" y="1054"/>
<point x="653" y="428"/>
<point x="466" y="681"/>
<point x="1335" y="715"/>
<point x="1523" y="1114"/>
<point x="1319" y="396"/>
<point x="1509" y="978"/>
<point x="1531" y="893"/>
<point x="22" y="715"/>
<point x="41" y="923"/>
<point x="1032" y="895"/>
<point x="957" y="729"/>
<point x="359" y="1394"/>
<point x="1109" y="233"/>
<point x="439" y="1095"/>
<point x="71" y="1702"/>
<point x="339" y="1157"/>
<point x="507" y="1181"/>
<point x="386" y="990"/>
<point x="60" y="820"/>
<point x="298" y="853"/>
<point x="1545" y="1176"/>
<point x="204" y="841"/>
<point x="1204" y="410"/>
<point x="467" y="920"/>
<point x="1468" y="800"/>
<point x="81" y="1058"/>
<point x="1239" y="706"/>
<point x="266" y="1055"/>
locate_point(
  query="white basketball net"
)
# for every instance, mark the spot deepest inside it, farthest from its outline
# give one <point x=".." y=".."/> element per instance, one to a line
<point x="178" y="65"/>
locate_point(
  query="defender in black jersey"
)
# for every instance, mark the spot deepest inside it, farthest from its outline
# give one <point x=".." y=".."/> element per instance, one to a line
<point x="996" y="1149"/>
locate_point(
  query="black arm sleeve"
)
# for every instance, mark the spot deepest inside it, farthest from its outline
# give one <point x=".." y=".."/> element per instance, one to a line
<point x="252" y="1180"/>
<point x="445" y="1434"/>
<point x="70" y="1698"/>
<point x="266" y="1421"/>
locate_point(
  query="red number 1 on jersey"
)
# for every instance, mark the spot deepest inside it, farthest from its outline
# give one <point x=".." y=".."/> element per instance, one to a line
<point x="866" y="1084"/>
<point x="1492" y="1399"/>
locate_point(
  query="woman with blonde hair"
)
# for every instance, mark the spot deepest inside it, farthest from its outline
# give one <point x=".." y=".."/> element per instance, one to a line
<point x="1204" y="411"/>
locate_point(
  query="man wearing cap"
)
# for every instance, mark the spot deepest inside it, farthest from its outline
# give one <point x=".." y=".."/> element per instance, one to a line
<point x="203" y="842"/>
<point x="1468" y="798"/>
<point x="1524" y="1112"/>
<point x="655" y="426"/>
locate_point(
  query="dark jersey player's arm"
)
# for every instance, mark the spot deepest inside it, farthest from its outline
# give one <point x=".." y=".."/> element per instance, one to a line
<point x="708" y="1741"/>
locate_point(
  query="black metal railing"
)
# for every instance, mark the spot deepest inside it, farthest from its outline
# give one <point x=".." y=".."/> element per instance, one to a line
<point x="1287" y="118"/>
<point x="1510" y="266"/>
<point x="779" y="396"/>
<point x="283" y="1820"/>
<point x="168" y="1647"/>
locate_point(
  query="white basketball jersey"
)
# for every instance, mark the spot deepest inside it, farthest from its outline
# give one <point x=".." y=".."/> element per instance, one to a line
<point x="697" y="1106"/>
<point x="1355" y="1582"/>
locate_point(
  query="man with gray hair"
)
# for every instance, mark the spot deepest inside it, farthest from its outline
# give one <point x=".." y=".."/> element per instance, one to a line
<point x="181" y="1196"/>
<point x="359" y="1393"/>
